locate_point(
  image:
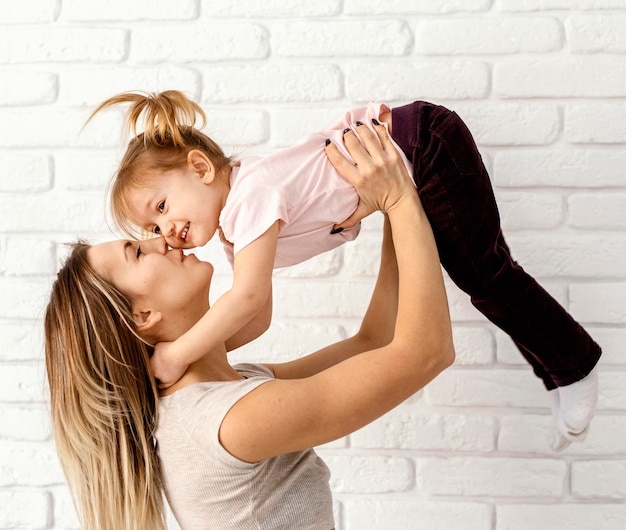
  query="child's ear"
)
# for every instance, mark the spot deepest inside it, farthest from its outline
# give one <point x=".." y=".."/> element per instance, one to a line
<point x="145" y="320"/>
<point x="201" y="165"/>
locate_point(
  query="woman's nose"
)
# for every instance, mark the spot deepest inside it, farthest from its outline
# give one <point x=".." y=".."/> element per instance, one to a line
<point x="155" y="244"/>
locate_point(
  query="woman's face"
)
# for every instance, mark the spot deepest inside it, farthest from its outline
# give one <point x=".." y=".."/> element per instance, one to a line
<point x="155" y="277"/>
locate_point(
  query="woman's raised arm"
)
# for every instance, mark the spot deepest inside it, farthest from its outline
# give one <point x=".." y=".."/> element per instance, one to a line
<point x="287" y="415"/>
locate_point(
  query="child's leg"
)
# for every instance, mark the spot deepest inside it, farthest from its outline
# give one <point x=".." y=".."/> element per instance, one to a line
<point x="458" y="198"/>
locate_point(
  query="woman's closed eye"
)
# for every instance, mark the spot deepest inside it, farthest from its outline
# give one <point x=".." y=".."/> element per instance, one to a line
<point x="138" y="252"/>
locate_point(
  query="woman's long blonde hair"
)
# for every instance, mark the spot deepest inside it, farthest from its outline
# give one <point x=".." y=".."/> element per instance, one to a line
<point x="103" y="401"/>
<point x="168" y="135"/>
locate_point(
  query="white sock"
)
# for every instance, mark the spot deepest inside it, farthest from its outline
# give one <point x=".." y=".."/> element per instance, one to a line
<point x="556" y="440"/>
<point x="577" y="405"/>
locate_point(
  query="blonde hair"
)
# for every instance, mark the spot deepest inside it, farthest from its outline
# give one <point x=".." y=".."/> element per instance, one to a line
<point x="168" y="136"/>
<point x="103" y="401"/>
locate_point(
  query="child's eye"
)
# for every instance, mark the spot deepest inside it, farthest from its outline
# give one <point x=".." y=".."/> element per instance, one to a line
<point x="161" y="206"/>
<point x="156" y="230"/>
<point x="138" y="253"/>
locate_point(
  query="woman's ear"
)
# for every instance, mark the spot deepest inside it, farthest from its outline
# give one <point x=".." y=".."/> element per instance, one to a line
<point x="201" y="165"/>
<point x="145" y="320"/>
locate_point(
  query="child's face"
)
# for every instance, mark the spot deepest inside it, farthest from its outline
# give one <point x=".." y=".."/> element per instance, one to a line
<point x="179" y="206"/>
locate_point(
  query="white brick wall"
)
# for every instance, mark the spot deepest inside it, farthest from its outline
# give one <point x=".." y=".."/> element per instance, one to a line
<point x="541" y="83"/>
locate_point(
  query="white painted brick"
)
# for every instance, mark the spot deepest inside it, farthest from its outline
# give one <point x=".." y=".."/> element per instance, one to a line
<point x="599" y="480"/>
<point x="529" y="434"/>
<point x="29" y="422"/>
<point x="547" y="5"/>
<point x="596" y="33"/>
<point x="567" y="516"/>
<point x="402" y="7"/>
<point x="32" y="12"/>
<point x="270" y="8"/>
<point x="599" y="256"/>
<point x="24" y="509"/>
<point x="597" y="210"/>
<point x="506" y="124"/>
<point x="21" y="340"/>
<point x="25" y="172"/>
<point x="81" y="170"/>
<point x="139" y="10"/>
<point x="57" y="128"/>
<point x="500" y="477"/>
<point x="612" y="393"/>
<point x="29" y="464"/>
<point x="421" y="79"/>
<point x="362" y="257"/>
<point x="612" y="341"/>
<point x="64" y="512"/>
<point x="26" y="256"/>
<point x="525" y="434"/>
<point x="507" y="352"/>
<point x="23" y="298"/>
<point x="473" y="345"/>
<point x="376" y="513"/>
<point x="588" y="168"/>
<point x="476" y="36"/>
<point x="285" y="341"/>
<point x="291" y="124"/>
<point x="341" y="39"/>
<point x="322" y="299"/>
<point x="406" y="428"/>
<point x="524" y="211"/>
<point x="324" y="265"/>
<point x="91" y="86"/>
<point x="369" y="474"/>
<point x="74" y="213"/>
<point x="27" y="88"/>
<point x="236" y="130"/>
<point x="486" y="388"/>
<point x="23" y="382"/>
<point x="600" y="302"/>
<point x="272" y="83"/>
<point x="560" y="77"/>
<point x="66" y="45"/>
<point x="207" y="42"/>
<point x="595" y="123"/>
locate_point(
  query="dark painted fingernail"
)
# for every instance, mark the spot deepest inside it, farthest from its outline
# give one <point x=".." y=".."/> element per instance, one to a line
<point x="375" y="121"/>
<point x="359" y="123"/>
<point x="347" y="129"/>
<point x="337" y="230"/>
<point x="327" y="141"/>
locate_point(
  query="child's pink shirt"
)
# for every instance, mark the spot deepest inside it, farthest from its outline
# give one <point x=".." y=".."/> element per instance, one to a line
<point x="299" y="188"/>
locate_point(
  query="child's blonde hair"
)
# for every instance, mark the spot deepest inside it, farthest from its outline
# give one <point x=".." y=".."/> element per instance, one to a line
<point x="168" y="135"/>
<point x="103" y="401"/>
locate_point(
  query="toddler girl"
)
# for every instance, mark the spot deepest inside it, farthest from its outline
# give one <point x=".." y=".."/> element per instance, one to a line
<point x="284" y="208"/>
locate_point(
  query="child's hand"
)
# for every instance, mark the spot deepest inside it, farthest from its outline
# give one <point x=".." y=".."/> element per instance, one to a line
<point x="166" y="365"/>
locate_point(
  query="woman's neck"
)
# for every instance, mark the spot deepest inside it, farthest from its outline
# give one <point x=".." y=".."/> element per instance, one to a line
<point x="212" y="367"/>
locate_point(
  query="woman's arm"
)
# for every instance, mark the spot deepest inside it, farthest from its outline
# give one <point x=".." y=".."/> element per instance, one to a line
<point x="250" y="292"/>
<point x="376" y="328"/>
<point x="288" y="415"/>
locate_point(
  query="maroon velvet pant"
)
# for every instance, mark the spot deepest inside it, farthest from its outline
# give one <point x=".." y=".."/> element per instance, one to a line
<point x="456" y="193"/>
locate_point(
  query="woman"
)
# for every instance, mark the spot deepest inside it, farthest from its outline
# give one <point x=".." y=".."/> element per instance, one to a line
<point x="233" y="443"/>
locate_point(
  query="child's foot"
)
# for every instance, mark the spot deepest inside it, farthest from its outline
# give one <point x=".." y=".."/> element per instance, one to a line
<point x="577" y="405"/>
<point x="556" y="440"/>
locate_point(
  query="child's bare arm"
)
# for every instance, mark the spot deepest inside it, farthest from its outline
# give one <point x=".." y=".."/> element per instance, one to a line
<point x="253" y="329"/>
<point x="231" y="312"/>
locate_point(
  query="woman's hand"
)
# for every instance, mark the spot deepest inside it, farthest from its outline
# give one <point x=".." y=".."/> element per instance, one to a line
<point x="380" y="177"/>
